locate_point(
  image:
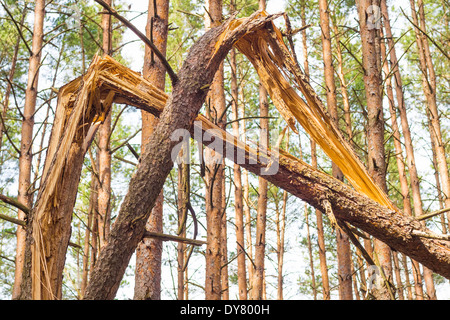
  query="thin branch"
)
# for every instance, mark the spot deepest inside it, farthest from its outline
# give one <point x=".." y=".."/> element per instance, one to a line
<point x="14" y="203"/>
<point x="428" y="235"/>
<point x="434" y="42"/>
<point x="432" y="214"/>
<point x="111" y="11"/>
<point x="5" y="130"/>
<point x="125" y="160"/>
<point x="135" y="154"/>
<point x="13" y="220"/>
<point x="248" y="118"/>
<point x="125" y="142"/>
<point x="166" y="237"/>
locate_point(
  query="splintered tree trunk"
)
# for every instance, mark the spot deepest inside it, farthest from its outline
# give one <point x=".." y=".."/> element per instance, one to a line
<point x="260" y="236"/>
<point x="370" y="39"/>
<point x="26" y="152"/>
<point x="149" y="251"/>
<point x="342" y="241"/>
<point x="104" y="151"/>
<point x="187" y="97"/>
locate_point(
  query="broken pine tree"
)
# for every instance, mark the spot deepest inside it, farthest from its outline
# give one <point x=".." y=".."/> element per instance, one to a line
<point x="83" y="104"/>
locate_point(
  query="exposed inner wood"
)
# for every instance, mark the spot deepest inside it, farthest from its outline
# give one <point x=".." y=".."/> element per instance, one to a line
<point x="84" y="102"/>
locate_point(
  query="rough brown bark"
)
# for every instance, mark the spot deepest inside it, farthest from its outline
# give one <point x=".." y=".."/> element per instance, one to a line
<point x="214" y="173"/>
<point x="404" y="186"/>
<point x="183" y="202"/>
<point x="410" y="157"/>
<point x="370" y="39"/>
<point x="26" y="152"/>
<point x="104" y="151"/>
<point x="385" y="224"/>
<point x="342" y="241"/>
<point x="149" y="251"/>
<point x="429" y="88"/>
<point x="238" y="191"/>
<point x="87" y="238"/>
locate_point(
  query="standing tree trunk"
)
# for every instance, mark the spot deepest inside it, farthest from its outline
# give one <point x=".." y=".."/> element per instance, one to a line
<point x="26" y="152"/>
<point x="11" y="73"/>
<point x="93" y="198"/>
<point x="260" y="238"/>
<point x="429" y="88"/>
<point x="404" y="187"/>
<point x="436" y="134"/>
<point x="319" y="217"/>
<point x="342" y="241"/>
<point x="183" y="202"/>
<point x="149" y="251"/>
<point x="237" y="174"/>
<point x="104" y="151"/>
<point x="214" y="172"/>
<point x="188" y="95"/>
<point x="410" y="157"/>
<point x="370" y="40"/>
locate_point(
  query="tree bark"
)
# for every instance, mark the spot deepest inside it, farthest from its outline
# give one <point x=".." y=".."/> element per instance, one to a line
<point x="370" y="39"/>
<point x="404" y="187"/>
<point x="214" y="173"/>
<point x="429" y="88"/>
<point x="104" y="151"/>
<point x="11" y="73"/>
<point x="182" y="107"/>
<point x="149" y="251"/>
<point x="261" y="211"/>
<point x="342" y="241"/>
<point x="26" y="152"/>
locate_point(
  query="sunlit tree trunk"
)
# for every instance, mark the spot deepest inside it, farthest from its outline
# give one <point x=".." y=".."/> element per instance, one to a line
<point x="370" y="40"/>
<point x="318" y="213"/>
<point x="261" y="210"/>
<point x="342" y="241"/>
<point x="429" y="87"/>
<point x="104" y="151"/>
<point x="237" y="174"/>
<point x="149" y="251"/>
<point x="26" y="151"/>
